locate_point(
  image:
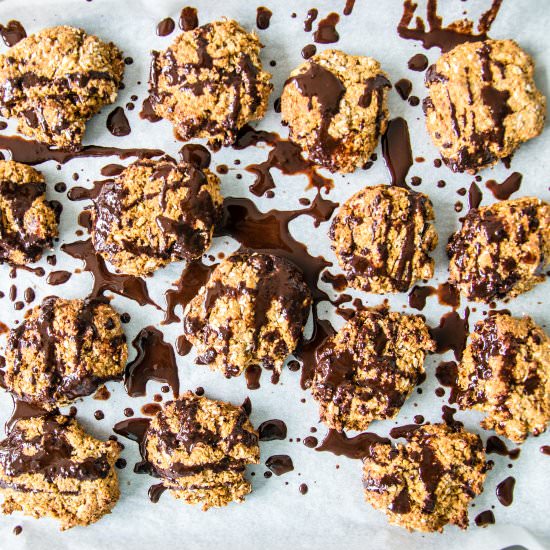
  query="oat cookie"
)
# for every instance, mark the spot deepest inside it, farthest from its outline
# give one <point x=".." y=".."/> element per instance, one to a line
<point x="252" y="311"/>
<point x="28" y="222"/>
<point x="200" y="448"/>
<point x="156" y="212"/>
<point x="429" y="482"/>
<point x="210" y="82"/>
<point x="55" y="80"/>
<point x="501" y="250"/>
<point x="483" y="103"/>
<point x="382" y="237"/>
<point x="369" y="367"/>
<point x="49" y="466"/>
<point x="335" y="107"/>
<point x="64" y="349"/>
<point x="505" y="372"/>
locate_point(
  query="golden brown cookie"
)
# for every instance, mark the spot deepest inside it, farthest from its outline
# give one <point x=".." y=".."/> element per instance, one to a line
<point x="369" y="367"/>
<point x="200" y="448"/>
<point x="483" y="103"/>
<point x="156" y="212"/>
<point x="429" y="482"/>
<point x="55" y="80"/>
<point x="49" y="466"/>
<point x="252" y="311"/>
<point x="210" y="82"/>
<point x="382" y="237"/>
<point x="28" y="222"/>
<point x="335" y="107"/>
<point x="501" y="250"/>
<point x="505" y="372"/>
<point x="64" y="349"/>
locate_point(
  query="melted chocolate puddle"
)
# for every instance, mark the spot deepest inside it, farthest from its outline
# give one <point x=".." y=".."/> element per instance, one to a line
<point x="252" y="374"/>
<point x="117" y="123"/>
<point x="263" y="18"/>
<point x="485" y="518"/>
<point x="326" y="32"/>
<point x="510" y="185"/>
<point x="348" y="8"/>
<point x="189" y="19"/>
<point x="495" y="445"/>
<point x="272" y="430"/>
<point x="166" y="27"/>
<point x="12" y="33"/>
<point x="32" y="152"/>
<point x="444" y="38"/>
<point x="452" y="333"/>
<point x="21" y="409"/>
<point x="155" y="360"/>
<point x="505" y="491"/>
<point x="359" y="446"/>
<point x="280" y="464"/>
<point x="396" y="148"/>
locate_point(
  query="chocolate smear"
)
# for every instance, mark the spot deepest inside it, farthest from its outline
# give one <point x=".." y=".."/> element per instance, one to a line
<point x="358" y="447"/>
<point x="326" y="32"/>
<point x="510" y="185"/>
<point x="396" y="148"/>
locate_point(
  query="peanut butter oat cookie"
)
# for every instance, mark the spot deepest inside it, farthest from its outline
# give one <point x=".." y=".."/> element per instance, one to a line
<point x="505" y="372"/>
<point x="54" y="81"/>
<point x="49" y="466"/>
<point x="64" y="349"/>
<point x="429" y="482"/>
<point x="200" y="448"/>
<point x="369" y="367"/>
<point x="28" y="222"/>
<point x="252" y="311"/>
<point x="501" y="250"/>
<point x="382" y="237"/>
<point x="156" y="212"/>
<point x="483" y="103"/>
<point x="210" y="82"/>
<point x="335" y="107"/>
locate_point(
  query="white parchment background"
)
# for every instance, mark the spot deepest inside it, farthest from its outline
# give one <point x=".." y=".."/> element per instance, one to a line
<point x="276" y="515"/>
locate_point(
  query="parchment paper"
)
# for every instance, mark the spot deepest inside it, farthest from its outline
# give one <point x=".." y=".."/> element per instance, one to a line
<point x="332" y="514"/>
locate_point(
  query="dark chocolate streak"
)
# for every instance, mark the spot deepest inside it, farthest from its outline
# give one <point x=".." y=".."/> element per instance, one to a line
<point x="241" y="79"/>
<point x="280" y="281"/>
<point x="19" y="198"/>
<point x="53" y="457"/>
<point x="60" y="384"/>
<point x="445" y="38"/>
<point x="183" y="241"/>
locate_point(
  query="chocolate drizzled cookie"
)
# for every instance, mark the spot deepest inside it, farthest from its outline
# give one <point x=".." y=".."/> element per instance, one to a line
<point x="335" y="107"/>
<point x="251" y="311"/>
<point x="501" y="250"/>
<point x="429" y="482"/>
<point x="382" y="237"/>
<point x="200" y="448"/>
<point x="156" y="212"/>
<point x="64" y="349"/>
<point x="28" y="222"/>
<point x="49" y="466"/>
<point x="210" y="82"/>
<point x="53" y="81"/>
<point x="369" y="367"/>
<point x="505" y="372"/>
<point x="483" y="103"/>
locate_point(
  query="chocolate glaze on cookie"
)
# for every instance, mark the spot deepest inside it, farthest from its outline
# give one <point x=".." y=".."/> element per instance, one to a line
<point x="64" y="349"/>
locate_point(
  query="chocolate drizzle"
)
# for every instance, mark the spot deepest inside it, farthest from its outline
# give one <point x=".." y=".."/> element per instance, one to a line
<point x="396" y="148"/>
<point x="357" y="447"/>
<point x="510" y="185"/>
<point x="155" y="360"/>
<point x="444" y="38"/>
<point x="452" y="333"/>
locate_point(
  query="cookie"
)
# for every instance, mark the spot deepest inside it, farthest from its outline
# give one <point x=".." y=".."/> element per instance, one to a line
<point x="49" y="466"/>
<point x="483" y="103"/>
<point x="382" y="237"/>
<point x="64" y="349"/>
<point x="501" y="250"/>
<point x="429" y="482"/>
<point x="505" y="372"/>
<point x="200" y="448"/>
<point x="369" y="367"/>
<point x="156" y="212"/>
<point x="209" y="83"/>
<point x="252" y="311"/>
<point x="28" y="222"/>
<point x="335" y="107"/>
<point x="54" y="81"/>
